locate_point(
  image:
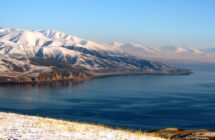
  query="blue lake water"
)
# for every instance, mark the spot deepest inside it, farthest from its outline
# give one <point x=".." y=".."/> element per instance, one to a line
<point x="134" y="102"/>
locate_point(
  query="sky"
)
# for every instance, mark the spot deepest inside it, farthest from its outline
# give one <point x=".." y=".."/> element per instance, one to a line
<point x="186" y="23"/>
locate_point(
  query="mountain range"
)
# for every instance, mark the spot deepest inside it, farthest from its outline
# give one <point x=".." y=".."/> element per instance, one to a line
<point x="50" y="55"/>
<point x="167" y="53"/>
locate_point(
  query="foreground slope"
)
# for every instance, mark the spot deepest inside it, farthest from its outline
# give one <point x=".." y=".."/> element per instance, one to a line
<point x="49" y="55"/>
<point x="14" y="126"/>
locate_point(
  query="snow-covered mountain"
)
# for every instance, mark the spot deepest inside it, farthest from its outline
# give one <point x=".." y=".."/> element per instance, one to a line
<point x="35" y="54"/>
<point x="181" y="54"/>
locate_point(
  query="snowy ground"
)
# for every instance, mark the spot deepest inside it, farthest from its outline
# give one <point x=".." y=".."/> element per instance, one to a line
<point x="13" y="126"/>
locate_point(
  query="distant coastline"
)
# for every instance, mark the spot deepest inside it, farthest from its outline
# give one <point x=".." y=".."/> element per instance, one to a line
<point x="83" y="76"/>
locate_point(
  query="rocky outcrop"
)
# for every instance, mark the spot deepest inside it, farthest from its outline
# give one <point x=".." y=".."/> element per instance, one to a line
<point x="50" y="70"/>
<point x="51" y="76"/>
<point x="75" y="76"/>
<point x="178" y="134"/>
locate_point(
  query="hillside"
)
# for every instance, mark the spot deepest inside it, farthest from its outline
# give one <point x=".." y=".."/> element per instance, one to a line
<point x="49" y="55"/>
<point x="14" y="126"/>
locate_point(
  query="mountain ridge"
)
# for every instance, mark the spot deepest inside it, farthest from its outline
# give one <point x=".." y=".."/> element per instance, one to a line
<point x="49" y="55"/>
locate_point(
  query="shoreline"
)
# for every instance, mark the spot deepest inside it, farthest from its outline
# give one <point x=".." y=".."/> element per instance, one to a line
<point x="16" y="126"/>
<point x="92" y="75"/>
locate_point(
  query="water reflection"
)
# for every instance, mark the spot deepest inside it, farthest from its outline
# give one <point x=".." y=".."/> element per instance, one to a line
<point x="55" y="84"/>
<point x="137" y="102"/>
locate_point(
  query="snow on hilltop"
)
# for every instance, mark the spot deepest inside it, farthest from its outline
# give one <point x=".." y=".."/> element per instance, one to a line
<point x="30" y="42"/>
<point x="18" y="43"/>
<point x="168" y="52"/>
<point x="14" y="126"/>
<point x="34" y="40"/>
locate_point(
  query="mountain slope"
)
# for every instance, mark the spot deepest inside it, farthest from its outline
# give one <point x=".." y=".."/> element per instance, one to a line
<point x="34" y="56"/>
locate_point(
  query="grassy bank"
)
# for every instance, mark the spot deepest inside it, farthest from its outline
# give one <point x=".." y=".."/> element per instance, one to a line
<point x="14" y="126"/>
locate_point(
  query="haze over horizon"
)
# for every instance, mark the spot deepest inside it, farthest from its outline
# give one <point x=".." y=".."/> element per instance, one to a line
<point x="186" y="23"/>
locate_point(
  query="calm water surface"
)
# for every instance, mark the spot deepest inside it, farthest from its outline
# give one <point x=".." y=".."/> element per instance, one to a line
<point x="134" y="102"/>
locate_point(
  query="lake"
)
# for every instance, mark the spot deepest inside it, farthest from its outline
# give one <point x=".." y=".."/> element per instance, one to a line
<point x="134" y="102"/>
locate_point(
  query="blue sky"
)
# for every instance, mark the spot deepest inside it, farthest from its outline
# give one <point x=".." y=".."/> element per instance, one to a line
<point x="188" y="23"/>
